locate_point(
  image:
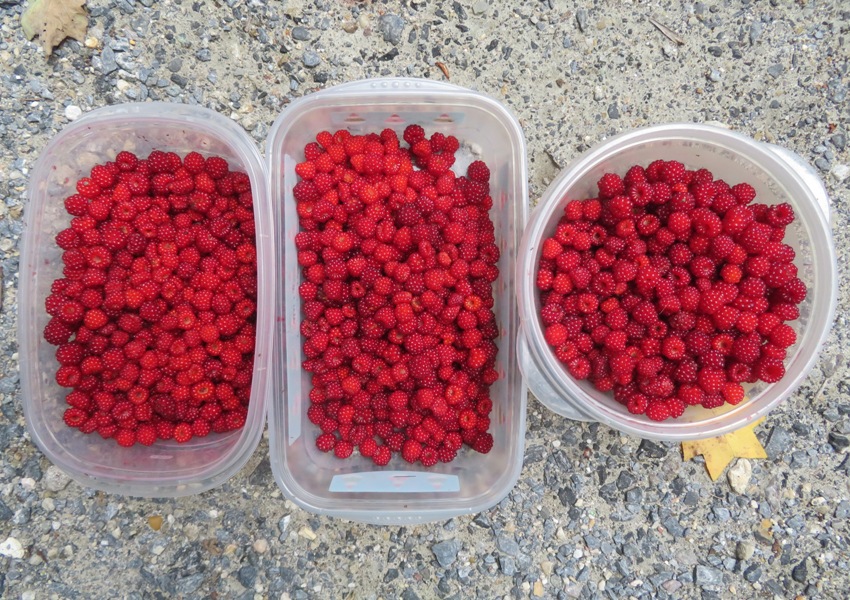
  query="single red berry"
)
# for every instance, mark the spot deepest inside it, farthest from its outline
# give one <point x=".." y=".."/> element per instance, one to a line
<point x="125" y="438"/>
<point x="610" y="185"/>
<point x="658" y="411"/>
<point x="381" y="456"/>
<point x="182" y="432"/>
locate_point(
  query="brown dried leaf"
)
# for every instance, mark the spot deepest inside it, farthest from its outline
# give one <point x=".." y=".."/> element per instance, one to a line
<point x="54" y="20"/>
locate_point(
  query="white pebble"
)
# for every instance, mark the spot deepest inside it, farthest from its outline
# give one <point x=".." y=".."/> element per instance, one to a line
<point x="739" y="475"/>
<point x="261" y="546"/>
<point x="28" y="595"/>
<point x="48" y="505"/>
<point x="28" y="484"/>
<point x="12" y="548"/>
<point x="840" y="172"/>
<point x="73" y="112"/>
<point x="55" y="479"/>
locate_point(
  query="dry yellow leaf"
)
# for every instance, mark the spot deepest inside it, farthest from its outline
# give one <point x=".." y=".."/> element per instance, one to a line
<point x="720" y="451"/>
<point x="54" y="20"/>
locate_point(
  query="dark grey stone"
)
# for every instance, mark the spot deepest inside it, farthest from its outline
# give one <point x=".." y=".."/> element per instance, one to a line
<point x="310" y="59"/>
<point x="107" y="61"/>
<point x="507" y="544"/>
<point x="534" y="454"/>
<point x="247" y="576"/>
<point x="797" y="522"/>
<point x="459" y="10"/>
<point x="625" y="480"/>
<point x="838" y="442"/>
<point x="752" y="573"/>
<point x="581" y="19"/>
<point x="613" y="111"/>
<point x="800" y="573"/>
<point x="180" y="80"/>
<point x="508" y="565"/>
<point x="409" y="594"/>
<point x="707" y="576"/>
<point x="672" y="525"/>
<point x="691" y="498"/>
<point x="203" y="55"/>
<point x="842" y="511"/>
<point x="756" y="29"/>
<point x="390" y="575"/>
<point x="389" y="55"/>
<point x="651" y="450"/>
<point x="775" y="70"/>
<point x="446" y="552"/>
<point x="9" y="432"/>
<point x="187" y="585"/>
<point x="778" y="443"/>
<point x="567" y="496"/>
<point x="5" y="512"/>
<point x="302" y="34"/>
<point x="391" y="27"/>
<point x="634" y="495"/>
<point x="839" y="140"/>
<point x="175" y="64"/>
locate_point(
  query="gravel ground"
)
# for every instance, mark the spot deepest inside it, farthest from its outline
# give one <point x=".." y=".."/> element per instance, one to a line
<point x="595" y="514"/>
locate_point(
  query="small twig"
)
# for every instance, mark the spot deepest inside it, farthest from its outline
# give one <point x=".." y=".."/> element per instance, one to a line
<point x="668" y="33"/>
<point x="443" y="68"/>
<point x="829" y="370"/>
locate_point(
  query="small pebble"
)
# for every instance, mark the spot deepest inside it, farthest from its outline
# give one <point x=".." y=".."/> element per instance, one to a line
<point x="11" y="548"/>
<point x="55" y="479"/>
<point x="300" y="33"/>
<point x="739" y="475"/>
<point x="261" y="546"/>
<point x="744" y="550"/>
<point x="840" y="172"/>
<point x="72" y="113"/>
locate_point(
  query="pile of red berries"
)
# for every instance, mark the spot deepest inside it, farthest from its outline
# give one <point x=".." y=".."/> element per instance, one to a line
<point x="154" y="315"/>
<point x="671" y="289"/>
<point x="398" y="259"/>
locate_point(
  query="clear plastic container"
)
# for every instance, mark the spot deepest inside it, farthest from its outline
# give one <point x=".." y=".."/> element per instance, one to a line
<point x="165" y="468"/>
<point x="355" y="488"/>
<point x="778" y="176"/>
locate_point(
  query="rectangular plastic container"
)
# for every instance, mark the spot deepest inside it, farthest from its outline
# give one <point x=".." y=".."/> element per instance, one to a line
<point x="166" y="468"/>
<point x="355" y="488"/>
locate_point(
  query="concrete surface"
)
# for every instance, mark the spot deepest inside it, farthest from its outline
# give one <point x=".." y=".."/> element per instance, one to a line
<point x="595" y="514"/>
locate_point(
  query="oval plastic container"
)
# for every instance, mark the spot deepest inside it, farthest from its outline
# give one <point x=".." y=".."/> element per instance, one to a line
<point x="165" y="468"/>
<point x="355" y="488"/>
<point x="777" y="176"/>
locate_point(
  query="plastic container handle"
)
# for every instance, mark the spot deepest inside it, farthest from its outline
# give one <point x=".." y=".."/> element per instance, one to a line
<point x="401" y="83"/>
<point x="807" y="173"/>
<point x="537" y="383"/>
